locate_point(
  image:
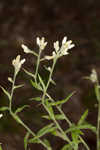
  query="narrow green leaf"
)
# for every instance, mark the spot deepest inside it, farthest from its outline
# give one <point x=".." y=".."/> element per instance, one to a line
<point x="18" y="86"/>
<point x="47" y="129"/>
<point x="80" y="127"/>
<point x="50" y="109"/>
<point x="83" y="117"/>
<point x="4" y="108"/>
<point x="41" y="81"/>
<point x="26" y="140"/>
<point x="6" y="93"/>
<point x="47" y="143"/>
<point x="0" y="147"/>
<point x="37" y="86"/>
<point x="67" y="147"/>
<point x="57" y="117"/>
<point x="33" y="140"/>
<point x="29" y="73"/>
<point x="97" y="92"/>
<point x="36" y="98"/>
<point x="20" y="109"/>
<point x="60" y="102"/>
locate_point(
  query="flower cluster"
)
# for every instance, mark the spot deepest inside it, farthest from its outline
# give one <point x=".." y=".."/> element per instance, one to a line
<point x="93" y="76"/>
<point x="17" y="63"/>
<point x="26" y="49"/>
<point x="41" y="43"/>
<point x="60" y="51"/>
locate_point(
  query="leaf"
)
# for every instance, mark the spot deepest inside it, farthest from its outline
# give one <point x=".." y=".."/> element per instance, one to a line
<point x="0" y="147"/>
<point x="67" y="147"/>
<point x="57" y="117"/>
<point x="83" y="117"/>
<point x="80" y="127"/>
<point x="59" y="134"/>
<point x="18" y="86"/>
<point x="41" y="81"/>
<point x="29" y="73"/>
<point x="47" y="143"/>
<point x="47" y="129"/>
<point x="50" y="109"/>
<point x="36" y="98"/>
<point x="60" y="102"/>
<point x="26" y="140"/>
<point x="97" y="92"/>
<point x="6" y="93"/>
<point x="37" y="86"/>
<point x="20" y="109"/>
<point x="4" y="108"/>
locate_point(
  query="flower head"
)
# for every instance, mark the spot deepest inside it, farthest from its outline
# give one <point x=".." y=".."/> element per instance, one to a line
<point x="60" y="51"/>
<point x="17" y="63"/>
<point x="26" y="49"/>
<point x="41" y="43"/>
<point x="1" y="115"/>
<point x="93" y="76"/>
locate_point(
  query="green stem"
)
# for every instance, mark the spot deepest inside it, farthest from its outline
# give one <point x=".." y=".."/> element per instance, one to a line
<point x="12" y="91"/>
<point x="98" y="128"/>
<point x="14" y="115"/>
<point x="68" y="121"/>
<point x="37" y="65"/>
<point x="29" y="130"/>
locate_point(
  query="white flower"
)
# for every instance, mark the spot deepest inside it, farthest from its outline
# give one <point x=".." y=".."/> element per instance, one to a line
<point x="41" y="43"/>
<point x="1" y="115"/>
<point x="60" y="51"/>
<point x="93" y="76"/>
<point x="17" y="63"/>
<point x="56" y="46"/>
<point x="26" y="49"/>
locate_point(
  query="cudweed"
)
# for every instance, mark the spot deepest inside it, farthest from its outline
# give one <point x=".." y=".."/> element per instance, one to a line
<point x="47" y="101"/>
<point x="94" y="78"/>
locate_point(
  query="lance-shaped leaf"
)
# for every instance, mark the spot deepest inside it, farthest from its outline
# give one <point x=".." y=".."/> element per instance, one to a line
<point x="41" y="81"/>
<point x="60" y="102"/>
<point x="26" y="140"/>
<point x="21" y="109"/>
<point x="18" y="86"/>
<point x="47" y="143"/>
<point x="47" y="129"/>
<point x="6" y="92"/>
<point x="0" y="147"/>
<point x="50" y="109"/>
<point x="4" y="108"/>
<point x="36" y="85"/>
<point x="83" y="117"/>
<point x="36" y="98"/>
<point x="57" y="117"/>
<point x="29" y="73"/>
<point x="80" y="127"/>
<point x="67" y="147"/>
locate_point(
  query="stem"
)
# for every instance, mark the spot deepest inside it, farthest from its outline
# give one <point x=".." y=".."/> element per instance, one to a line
<point x="43" y="98"/>
<point x="68" y="121"/>
<point x="98" y="128"/>
<point x="37" y="65"/>
<point x="29" y="130"/>
<point x="14" y="115"/>
<point x="12" y="92"/>
<point x="98" y="118"/>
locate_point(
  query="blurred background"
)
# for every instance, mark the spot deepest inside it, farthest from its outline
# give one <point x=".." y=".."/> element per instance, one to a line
<point x="21" y="21"/>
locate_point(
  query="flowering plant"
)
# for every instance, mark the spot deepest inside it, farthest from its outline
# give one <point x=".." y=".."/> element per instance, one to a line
<point x="71" y="135"/>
